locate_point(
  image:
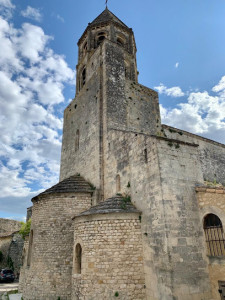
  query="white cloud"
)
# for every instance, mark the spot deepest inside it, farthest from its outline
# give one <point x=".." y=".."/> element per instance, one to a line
<point x="220" y="86"/>
<point x="202" y="114"/>
<point x="176" y="65"/>
<point x="172" y="92"/>
<point x="32" y="79"/>
<point x="32" y="13"/>
<point x="6" y="8"/>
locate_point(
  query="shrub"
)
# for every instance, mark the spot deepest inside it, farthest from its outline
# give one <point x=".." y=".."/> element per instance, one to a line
<point x="25" y="228"/>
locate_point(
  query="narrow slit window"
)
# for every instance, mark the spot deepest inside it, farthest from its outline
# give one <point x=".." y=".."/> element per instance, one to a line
<point x="118" y="187"/>
<point x="146" y="155"/>
<point x="78" y="259"/>
<point x="77" y="140"/>
<point x="83" y="77"/>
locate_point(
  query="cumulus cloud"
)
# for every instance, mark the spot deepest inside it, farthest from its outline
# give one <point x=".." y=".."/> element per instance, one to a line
<point x="172" y="92"/>
<point x="32" y="81"/>
<point x="32" y="13"/>
<point x="202" y="114"/>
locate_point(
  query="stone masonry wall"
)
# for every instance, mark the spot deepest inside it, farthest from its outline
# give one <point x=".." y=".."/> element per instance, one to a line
<point x="211" y="154"/>
<point x="11" y="244"/>
<point x="162" y="179"/>
<point x="112" y="257"/>
<point x="4" y="248"/>
<point x="82" y="114"/>
<point x="186" y="262"/>
<point x="50" y="271"/>
<point x="127" y="104"/>
<point x="212" y="200"/>
<point x="7" y="225"/>
<point x="15" y="251"/>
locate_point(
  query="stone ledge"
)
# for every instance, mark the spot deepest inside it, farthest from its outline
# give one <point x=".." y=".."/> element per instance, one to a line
<point x="207" y="189"/>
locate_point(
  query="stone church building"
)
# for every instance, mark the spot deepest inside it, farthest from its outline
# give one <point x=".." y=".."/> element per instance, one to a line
<point x="139" y="212"/>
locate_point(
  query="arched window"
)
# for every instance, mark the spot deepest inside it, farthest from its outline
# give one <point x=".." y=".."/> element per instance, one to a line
<point x="214" y="235"/>
<point x="78" y="259"/>
<point x="118" y="183"/>
<point x="30" y="248"/>
<point x="77" y="140"/>
<point x="120" y="41"/>
<point x="100" y="37"/>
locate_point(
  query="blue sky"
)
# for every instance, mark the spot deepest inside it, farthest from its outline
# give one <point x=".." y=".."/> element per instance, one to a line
<point x="181" y="48"/>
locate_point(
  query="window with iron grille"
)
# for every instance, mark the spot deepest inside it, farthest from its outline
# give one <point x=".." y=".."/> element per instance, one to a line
<point x="214" y="235"/>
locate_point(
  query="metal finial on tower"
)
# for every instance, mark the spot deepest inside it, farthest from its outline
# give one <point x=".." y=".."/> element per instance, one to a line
<point x="106" y="3"/>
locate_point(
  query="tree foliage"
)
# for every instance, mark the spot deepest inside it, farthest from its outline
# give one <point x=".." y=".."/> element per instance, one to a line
<point x="25" y="228"/>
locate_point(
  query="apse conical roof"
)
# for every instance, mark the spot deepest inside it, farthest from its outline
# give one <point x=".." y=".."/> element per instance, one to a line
<point x="73" y="184"/>
<point x="116" y="204"/>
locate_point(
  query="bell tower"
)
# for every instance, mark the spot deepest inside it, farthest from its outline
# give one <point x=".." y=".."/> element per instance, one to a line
<point x="105" y="27"/>
<point x="108" y="98"/>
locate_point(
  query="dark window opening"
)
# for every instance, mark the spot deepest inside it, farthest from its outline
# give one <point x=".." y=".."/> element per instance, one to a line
<point x="85" y="47"/>
<point x="146" y="155"/>
<point x="120" y="42"/>
<point x="100" y="37"/>
<point x="221" y="289"/>
<point x="83" y="77"/>
<point x="214" y="235"/>
<point x="118" y="183"/>
<point x="212" y="220"/>
<point x="78" y="259"/>
<point x="77" y="140"/>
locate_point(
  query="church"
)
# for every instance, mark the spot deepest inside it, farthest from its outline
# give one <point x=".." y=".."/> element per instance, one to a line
<point x="139" y="211"/>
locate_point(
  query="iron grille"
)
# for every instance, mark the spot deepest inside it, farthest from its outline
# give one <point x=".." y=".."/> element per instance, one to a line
<point x="215" y="240"/>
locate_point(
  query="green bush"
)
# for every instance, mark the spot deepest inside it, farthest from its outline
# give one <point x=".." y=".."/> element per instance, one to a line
<point x="25" y="228"/>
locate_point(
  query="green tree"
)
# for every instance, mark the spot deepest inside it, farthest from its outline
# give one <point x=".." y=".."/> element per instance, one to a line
<point x="25" y="228"/>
